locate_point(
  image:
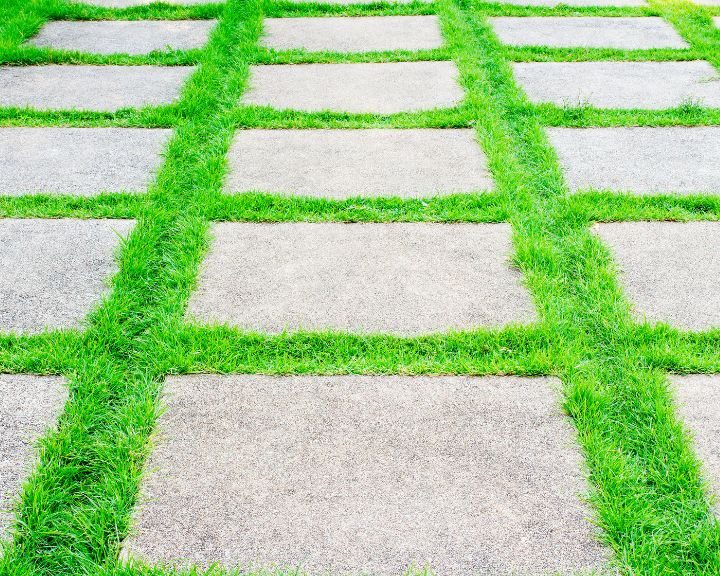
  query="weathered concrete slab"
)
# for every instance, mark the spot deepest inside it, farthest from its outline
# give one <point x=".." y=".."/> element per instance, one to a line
<point x="130" y="3"/>
<point x="399" y="278"/>
<point x="124" y="37"/>
<point x="101" y="88"/>
<point x="366" y="475"/>
<point x="346" y="163"/>
<point x="649" y="85"/>
<point x="82" y="161"/>
<point x="640" y="160"/>
<point x="360" y="34"/>
<point x="698" y="401"/>
<point x="669" y="270"/>
<point x="29" y="406"/>
<point x="588" y="32"/>
<point x="54" y="272"/>
<point x="381" y="88"/>
<point x="553" y="3"/>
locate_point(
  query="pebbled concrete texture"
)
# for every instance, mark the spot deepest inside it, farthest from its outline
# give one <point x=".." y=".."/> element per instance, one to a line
<point x="346" y="163"/>
<point x="381" y="88"/>
<point x="130" y="3"/>
<point x="80" y="161"/>
<point x="54" y="272"/>
<point x="697" y="397"/>
<point x="650" y="85"/>
<point x="640" y="160"/>
<point x="29" y="406"/>
<point x="100" y="88"/>
<point x="587" y="32"/>
<point x="366" y="475"/>
<point x="553" y="3"/>
<point x="124" y="37"/>
<point x="669" y="270"/>
<point x="400" y="278"/>
<point x="348" y="34"/>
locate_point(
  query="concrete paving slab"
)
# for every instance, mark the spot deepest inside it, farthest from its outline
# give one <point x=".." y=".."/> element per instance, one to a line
<point x="698" y="400"/>
<point x="347" y="163"/>
<point x="124" y="37"/>
<point x="650" y="85"/>
<point x="54" y="272"/>
<point x="669" y="270"/>
<point x="588" y="32"/>
<point x="100" y="88"/>
<point x="346" y="2"/>
<point x="29" y="406"/>
<point x="366" y="475"/>
<point x="131" y="3"/>
<point x="360" y="34"/>
<point x="553" y="3"/>
<point x="400" y="278"/>
<point x="381" y="88"/>
<point x="81" y="161"/>
<point x="640" y="160"/>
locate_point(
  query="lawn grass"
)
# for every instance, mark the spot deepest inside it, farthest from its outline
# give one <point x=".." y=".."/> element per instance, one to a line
<point x="647" y="495"/>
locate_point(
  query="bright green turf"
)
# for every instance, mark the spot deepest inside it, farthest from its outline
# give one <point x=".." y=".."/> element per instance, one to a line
<point x="647" y="495"/>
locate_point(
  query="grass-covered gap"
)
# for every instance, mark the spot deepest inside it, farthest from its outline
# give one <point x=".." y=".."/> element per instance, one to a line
<point x="647" y="493"/>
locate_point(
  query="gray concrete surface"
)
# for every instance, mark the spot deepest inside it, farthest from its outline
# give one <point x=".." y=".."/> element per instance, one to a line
<point x="398" y="278"/>
<point x="366" y="475"/>
<point x="130" y="3"/>
<point x="101" y="88"/>
<point x="716" y="20"/>
<point x="381" y="88"/>
<point x="669" y="270"/>
<point x="54" y="272"/>
<point x="587" y="32"/>
<point x="347" y="163"/>
<point x="698" y="401"/>
<point x="29" y="406"/>
<point x="359" y="34"/>
<point x="345" y="2"/>
<point x="81" y="161"/>
<point x="640" y="160"/>
<point x="553" y="3"/>
<point x="124" y="37"/>
<point x="650" y="85"/>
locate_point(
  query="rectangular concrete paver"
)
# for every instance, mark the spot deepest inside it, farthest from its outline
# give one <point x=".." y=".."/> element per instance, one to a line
<point x="366" y="475"/>
<point x="553" y="3"/>
<point x="640" y="160"/>
<point x="669" y="270"/>
<point x="101" y="88"/>
<point x="131" y="3"/>
<point x="361" y="34"/>
<point x="81" y="161"/>
<point x="399" y="278"/>
<point x="124" y="37"/>
<point x="346" y="163"/>
<point x="698" y="400"/>
<point x="29" y="406"/>
<point x="381" y="88"/>
<point x="588" y="32"/>
<point x="54" y="272"/>
<point x="650" y="85"/>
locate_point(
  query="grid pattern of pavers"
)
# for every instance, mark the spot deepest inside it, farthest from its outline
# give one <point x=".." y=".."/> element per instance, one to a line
<point x="81" y="161"/>
<point x="361" y="34"/>
<point x="256" y="469"/>
<point x="398" y="278"/>
<point x="348" y="163"/>
<point x="125" y="37"/>
<point x="29" y="406"/>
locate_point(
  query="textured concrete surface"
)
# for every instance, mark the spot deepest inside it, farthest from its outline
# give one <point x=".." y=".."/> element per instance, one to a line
<point x="381" y="88"/>
<point x="347" y="163"/>
<point x="553" y="3"/>
<point x="399" y="278"/>
<point x="130" y="3"/>
<point x="640" y="160"/>
<point x="361" y="34"/>
<point x="649" y="85"/>
<point x="698" y="400"/>
<point x="125" y="37"/>
<point x="102" y="88"/>
<point x="669" y="270"/>
<point x="29" y="406"/>
<point x="366" y="475"/>
<point x="54" y="272"/>
<point x="588" y="32"/>
<point x="81" y="161"/>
